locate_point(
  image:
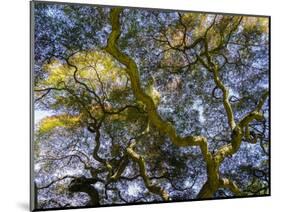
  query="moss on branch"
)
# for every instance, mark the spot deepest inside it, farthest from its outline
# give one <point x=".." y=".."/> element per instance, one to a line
<point x="149" y="185"/>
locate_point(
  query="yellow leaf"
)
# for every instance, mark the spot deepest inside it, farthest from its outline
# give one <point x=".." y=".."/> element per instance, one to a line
<point x="64" y="120"/>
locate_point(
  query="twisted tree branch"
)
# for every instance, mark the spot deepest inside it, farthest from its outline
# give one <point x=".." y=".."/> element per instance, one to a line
<point x="141" y="163"/>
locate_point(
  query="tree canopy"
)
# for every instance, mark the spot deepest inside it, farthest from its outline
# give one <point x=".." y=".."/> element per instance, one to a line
<point x="141" y="105"/>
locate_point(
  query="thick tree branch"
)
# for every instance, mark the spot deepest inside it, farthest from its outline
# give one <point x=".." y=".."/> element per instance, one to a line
<point x="238" y="130"/>
<point x="141" y="163"/>
<point x="95" y="129"/>
<point x="163" y="126"/>
<point x="226" y="103"/>
<point x="83" y="184"/>
<point x="132" y="71"/>
<point x="229" y="184"/>
<point x="255" y="114"/>
<point x="120" y="169"/>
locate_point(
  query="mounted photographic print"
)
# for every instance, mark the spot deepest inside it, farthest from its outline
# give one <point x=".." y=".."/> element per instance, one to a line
<point x="139" y="106"/>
